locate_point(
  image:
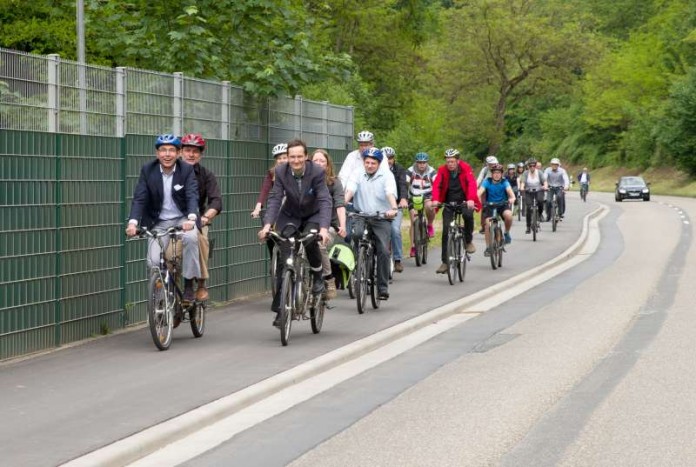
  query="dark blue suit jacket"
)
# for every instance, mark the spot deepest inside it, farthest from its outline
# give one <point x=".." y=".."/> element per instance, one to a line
<point x="313" y="204"/>
<point x="149" y="193"/>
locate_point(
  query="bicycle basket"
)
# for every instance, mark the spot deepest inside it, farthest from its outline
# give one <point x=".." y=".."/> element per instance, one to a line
<point x="417" y="202"/>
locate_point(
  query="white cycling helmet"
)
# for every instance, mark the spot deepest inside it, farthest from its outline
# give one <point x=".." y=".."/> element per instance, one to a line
<point x="365" y="137"/>
<point x="555" y="160"/>
<point x="388" y="151"/>
<point x="279" y="149"/>
<point x="491" y="160"/>
<point x="451" y="152"/>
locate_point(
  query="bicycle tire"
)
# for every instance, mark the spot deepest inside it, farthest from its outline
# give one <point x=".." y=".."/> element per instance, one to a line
<point x="351" y="285"/>
<point x="535" y="222"/>
<point x="197" y="319"/>
<point x="500" y="245"/>
<point x="417" y="240"/>
<point x="160" y="311"/>
<point x="554" y="210"/>
<point x="493" y="247"/>
<point x="287" y="306"/>
<point x="360" y="283"/>
<point x="425" y="239"/>
<point x="316" y="313"/>
<point x="374" y="290"/>
<point x="461" y="258"/>
<point x="451" y="258"/>
<point x="275" y="259"/>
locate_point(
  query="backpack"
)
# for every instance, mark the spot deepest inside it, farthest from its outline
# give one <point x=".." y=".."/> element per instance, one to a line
<point x="342" y="260"/>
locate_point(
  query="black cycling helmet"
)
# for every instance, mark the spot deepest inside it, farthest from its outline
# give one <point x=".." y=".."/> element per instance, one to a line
<point x="531" y="161"/>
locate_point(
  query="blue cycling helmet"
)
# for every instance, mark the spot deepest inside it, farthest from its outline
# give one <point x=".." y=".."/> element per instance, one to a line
<point x="422" y="157"/>
<point x="373" y="153"/>
<point x="168" y="139"/>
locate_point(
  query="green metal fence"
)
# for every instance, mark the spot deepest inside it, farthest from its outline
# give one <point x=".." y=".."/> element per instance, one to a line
<point x="67" y="271"/>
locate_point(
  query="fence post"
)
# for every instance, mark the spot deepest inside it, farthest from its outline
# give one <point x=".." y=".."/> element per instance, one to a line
<point x="225" y="111"/>
<point x="53" y="92"/>
<point x="121" y="102"/>
<point x="298" y="114"/>
<point x="178" y="103"/>
<point x="82" y="91"/>
<point x="325" y="122"/>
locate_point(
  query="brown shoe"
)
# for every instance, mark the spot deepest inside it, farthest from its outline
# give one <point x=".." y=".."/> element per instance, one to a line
<point x="201" y="294"/>
<point x="177" y="320"/>
<point x="442" y="269"/>
<point x="470" y="248"/>
<point x="398" y="267"/>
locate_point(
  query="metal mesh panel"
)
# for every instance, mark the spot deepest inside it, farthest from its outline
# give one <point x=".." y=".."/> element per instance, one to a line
<point x="202" y="108"/>
<point x="149" y="103"/>
<point x="23" y="91"/>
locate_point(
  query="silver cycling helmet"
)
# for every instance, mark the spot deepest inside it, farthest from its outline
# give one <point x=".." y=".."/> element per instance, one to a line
<point x="279" y="149"/>
<point x="365" y="137"/>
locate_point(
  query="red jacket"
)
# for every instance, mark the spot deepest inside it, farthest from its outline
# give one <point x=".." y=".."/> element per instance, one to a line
<point x="466" y="178"/>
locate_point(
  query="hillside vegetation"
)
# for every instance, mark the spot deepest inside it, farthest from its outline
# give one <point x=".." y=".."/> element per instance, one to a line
<point x="594" y="82"/>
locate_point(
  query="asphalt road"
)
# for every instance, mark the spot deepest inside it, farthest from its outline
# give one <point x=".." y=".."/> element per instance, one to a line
<point x="64" y="404"/>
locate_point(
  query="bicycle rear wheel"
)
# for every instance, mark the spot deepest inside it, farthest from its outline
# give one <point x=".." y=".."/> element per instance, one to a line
<point x="316" y="313"/>
<point x="452" y="266"/>
<point x="417" y="234"/>
<point x="160" y="311"/>
<point x="374" y="290"/>
<point x="287" y="306"/>
<point x="197" y="319"/>
<point x="360" y="283"/>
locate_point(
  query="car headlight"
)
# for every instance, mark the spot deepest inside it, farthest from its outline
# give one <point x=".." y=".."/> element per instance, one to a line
<point x="646" y="190"/>
<point x="622" y="191"/>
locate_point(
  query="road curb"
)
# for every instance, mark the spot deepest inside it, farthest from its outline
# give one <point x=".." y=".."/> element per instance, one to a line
<point x="136" y="446"/>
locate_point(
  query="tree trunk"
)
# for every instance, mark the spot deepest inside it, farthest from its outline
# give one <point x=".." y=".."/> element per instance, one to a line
<point x="500" y="109"/>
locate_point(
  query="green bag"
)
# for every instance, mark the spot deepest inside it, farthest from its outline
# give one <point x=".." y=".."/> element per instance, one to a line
<point x="341" y="255"/>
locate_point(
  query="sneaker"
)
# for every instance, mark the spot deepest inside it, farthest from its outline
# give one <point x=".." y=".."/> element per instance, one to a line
<point x="189" y="295"/>
<point x="413" y="252"/>
<point x="318" y="286"/>
<point x="528" y="231"/>
<point x="487" y="253"/>
<point x="442" y="269"/>
<point x="277" y="322"/>
<point x="330" y="289"/>
<point x="431" y="231"/>
<point x="508" y="238"/>
<point x="384" y="295"/>
<point x="177" y="320"/>
<point x="470" y="248"/>
<point x="398" y="267"/>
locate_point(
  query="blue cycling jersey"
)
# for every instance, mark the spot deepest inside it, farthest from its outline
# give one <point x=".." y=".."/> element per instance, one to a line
<point x="496" y="192"/>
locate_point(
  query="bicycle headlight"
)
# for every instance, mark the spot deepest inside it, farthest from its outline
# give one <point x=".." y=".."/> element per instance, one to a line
<point x="288" y="262"/>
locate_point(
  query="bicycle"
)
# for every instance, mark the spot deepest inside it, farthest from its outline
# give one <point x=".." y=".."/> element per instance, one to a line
<point x="457" y="256"/>
<point x="295" y="296"/>
<point x="420" y="229"/>
<point x="584" y="188"/>
<point x="534" y="224"/>
<point x="165" y="295"/>
<point x="497" y="240"/>
<point x="519" y="206"/>
<point x="554" y="214"/>
<point x="365" y="274"/>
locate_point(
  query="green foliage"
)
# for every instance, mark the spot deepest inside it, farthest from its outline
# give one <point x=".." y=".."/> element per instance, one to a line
<point x="678" y="131"/>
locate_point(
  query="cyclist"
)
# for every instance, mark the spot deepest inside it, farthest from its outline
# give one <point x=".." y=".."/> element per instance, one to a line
<point x="280" y="154"/>
<point x="165" y="196"/>
<point x="322" y="158"/>
<point x="520" y="169"/>
<point x="374" y="191"/>
<point x="421" y="177"/>
<point x="209" y="202"/>
<point x="301" y="198"/>
<point x="584" y="180"/>
<point x="559" y="183"/>
<point x="455" y="182"/>
<point x="532" y="179"/>
<point x="353" y="167"/>
<point x="401" y="177"/>
<point x="496" y="189"/>
<point x="484" y="174"/>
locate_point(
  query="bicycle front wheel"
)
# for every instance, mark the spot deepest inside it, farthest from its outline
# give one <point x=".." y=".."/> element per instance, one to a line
<point x="197" y="319"/>
<point x="534" y="222"/>
<point x="461" y="258"/>
<point x="493" y="246"/>
<point x="360" y="283"/>
<point x="417" y="239"/>
<point x="160" y="310"/>
<point x="287" y="306"/>
<point x="425" y="239"/>
<point x="499" y="245"/>
<point x="452" y="266"/>
<point x="554" y="217"/>
<point x="275" y="259"/>
<point x="316" y="314"/>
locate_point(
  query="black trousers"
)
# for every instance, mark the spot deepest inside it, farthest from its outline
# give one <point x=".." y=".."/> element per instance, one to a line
<point x="447" y="216"/>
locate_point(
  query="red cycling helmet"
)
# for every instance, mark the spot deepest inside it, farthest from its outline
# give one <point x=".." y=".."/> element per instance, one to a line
<point x="194" y="139"/>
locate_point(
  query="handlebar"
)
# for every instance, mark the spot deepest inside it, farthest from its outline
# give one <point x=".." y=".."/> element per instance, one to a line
<point x="368" y="215"/>
<point x="144" y="232"/>
<point x="303" y="239"/>
<point x="454" y="206"/>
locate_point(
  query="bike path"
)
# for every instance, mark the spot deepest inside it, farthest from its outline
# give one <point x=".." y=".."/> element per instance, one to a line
<point x="66" y="403"/>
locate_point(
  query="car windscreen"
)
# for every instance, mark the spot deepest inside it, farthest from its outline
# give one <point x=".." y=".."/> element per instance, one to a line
<point x="632" y="181"/>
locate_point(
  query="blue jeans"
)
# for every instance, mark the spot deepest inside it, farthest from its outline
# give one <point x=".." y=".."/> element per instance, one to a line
<point x="396" y="244"/>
